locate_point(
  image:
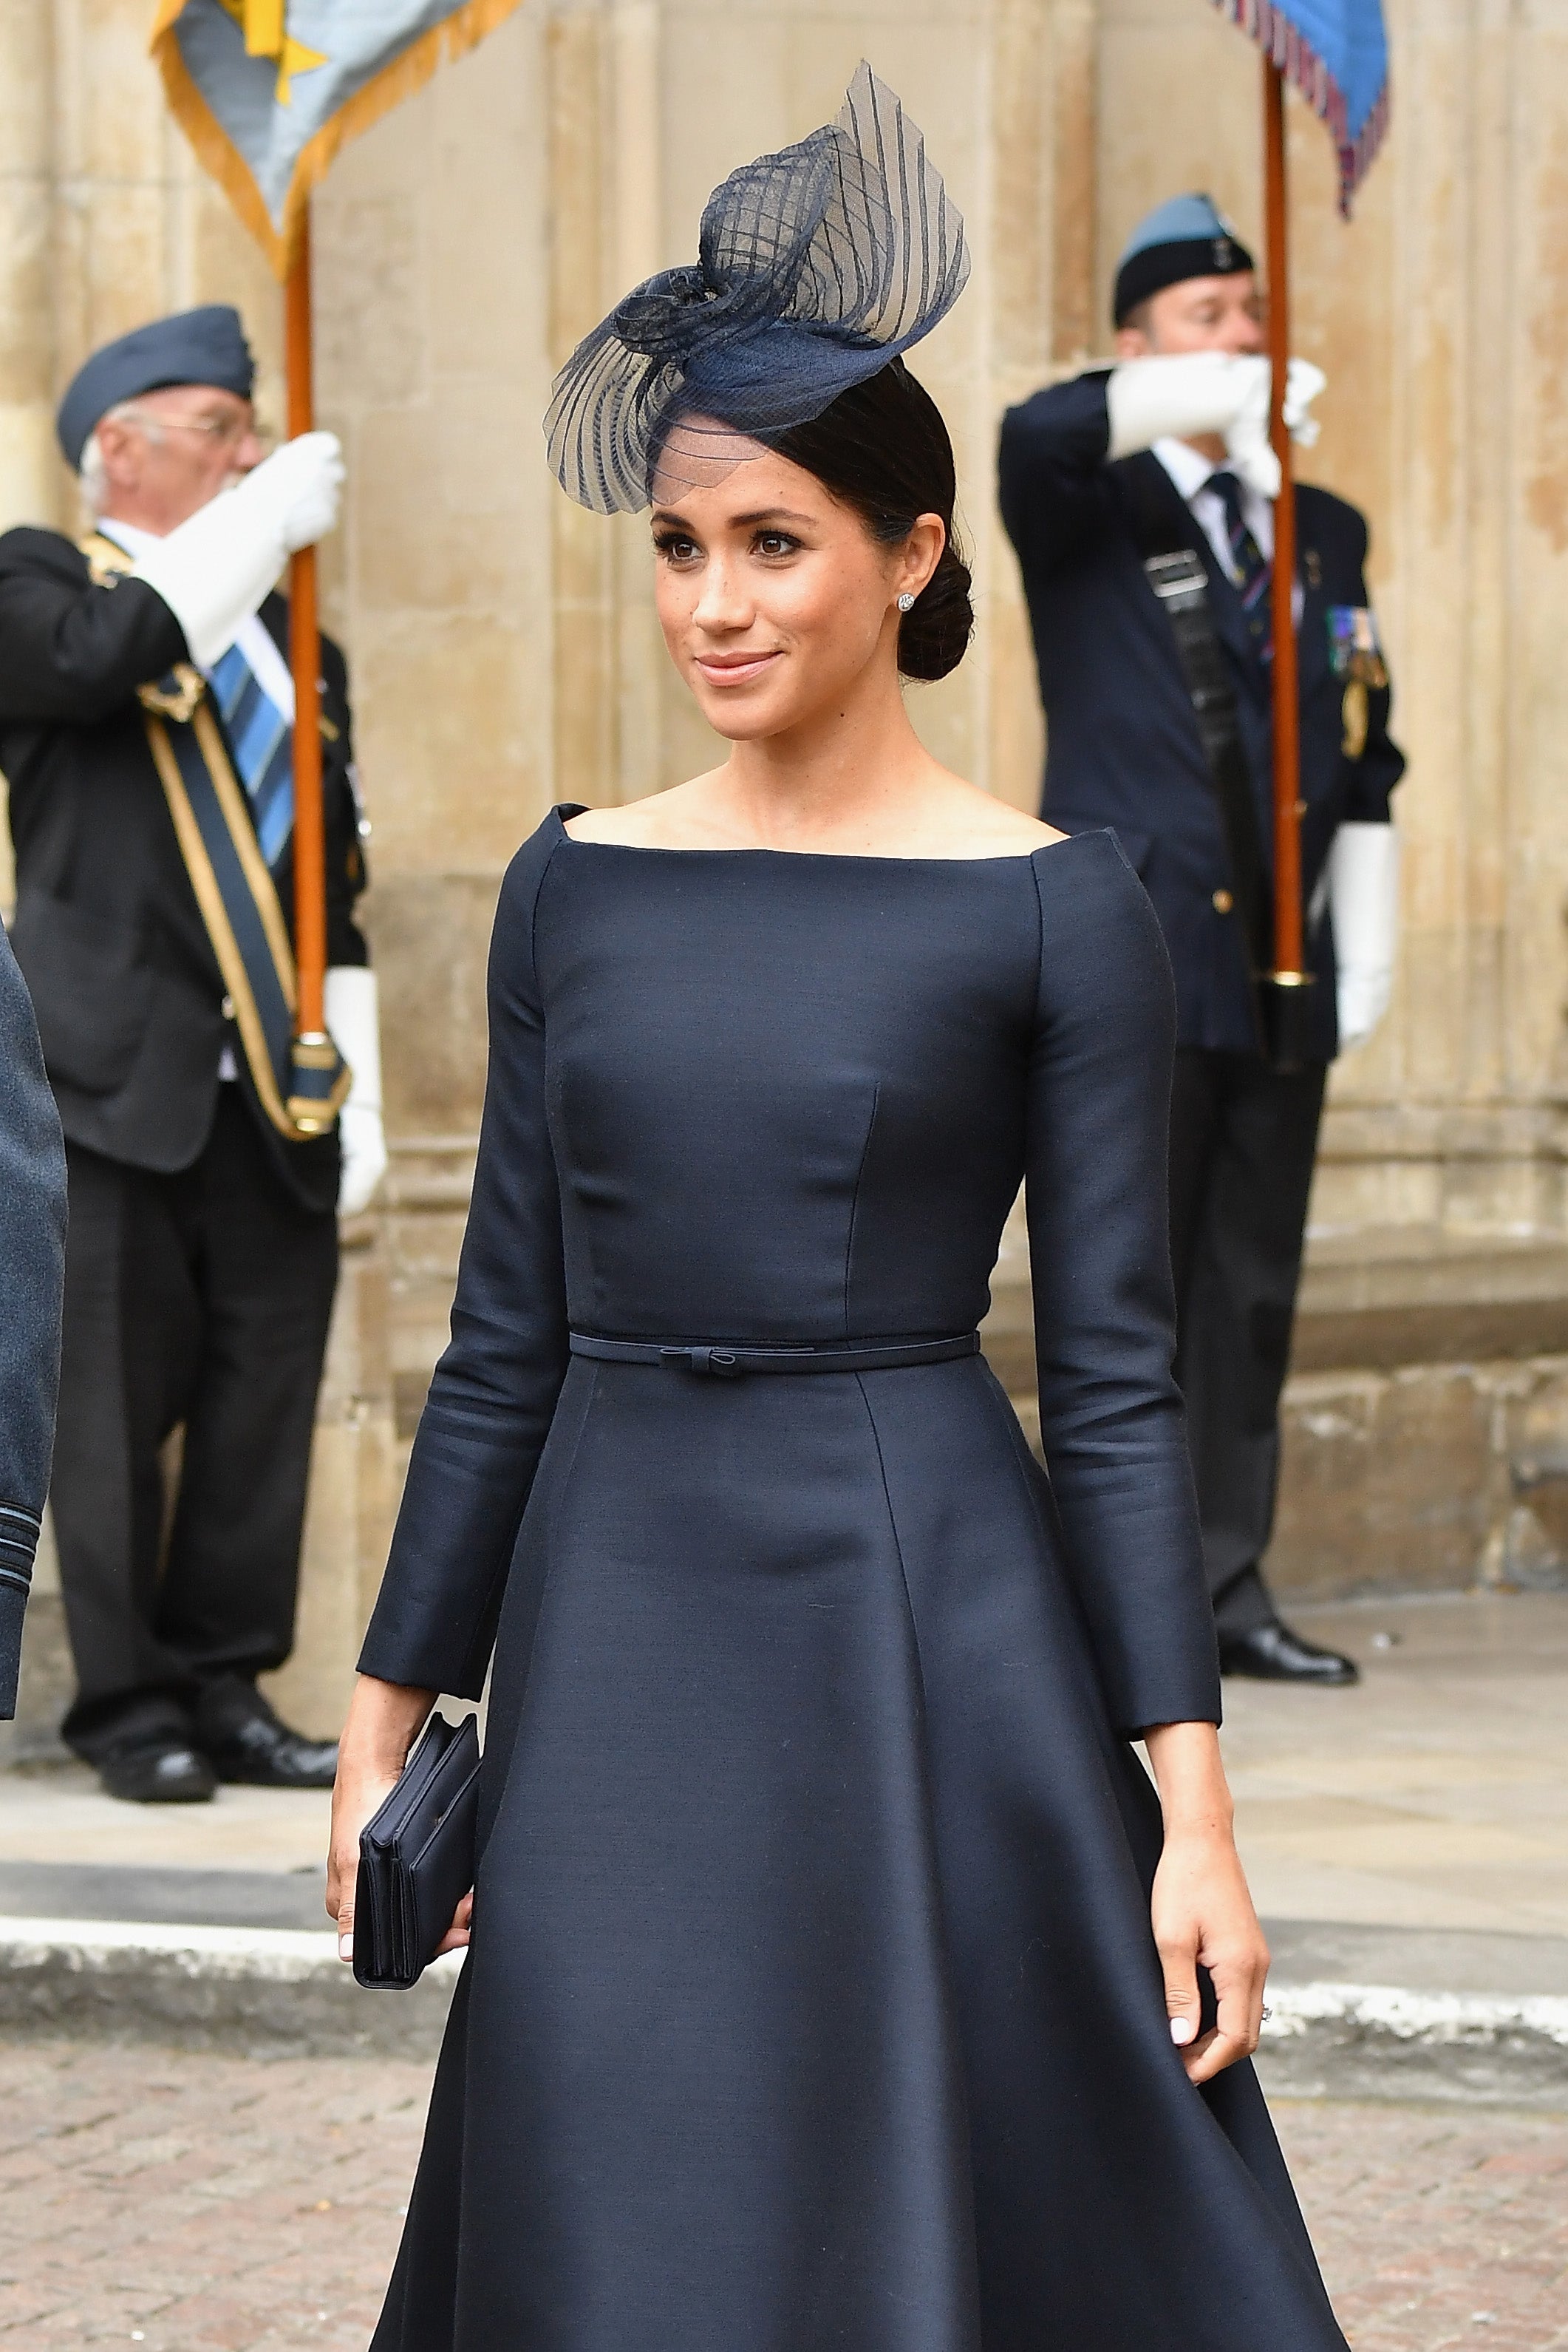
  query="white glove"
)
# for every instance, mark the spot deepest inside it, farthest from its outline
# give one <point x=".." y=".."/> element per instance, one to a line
<point x="215" y="570"/>
<point x="1180" y="393"/>
<point x="1363" y="901"/>
<point x="1304" y="380"/>
<point x="1247" y="442"/>
<point x="353" y="1019"/>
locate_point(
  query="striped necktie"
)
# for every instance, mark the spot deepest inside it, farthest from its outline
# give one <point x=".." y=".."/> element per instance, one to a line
<point x="262" y="743"/>
<point x="1254" y="572"/>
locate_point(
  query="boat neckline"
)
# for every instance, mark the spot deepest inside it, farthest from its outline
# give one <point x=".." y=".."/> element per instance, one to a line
<point x="820" y="856"/>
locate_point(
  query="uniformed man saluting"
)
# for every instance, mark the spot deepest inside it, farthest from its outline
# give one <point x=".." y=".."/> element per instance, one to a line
<point x="1110" y="485"/>
<point x="146" y="714"/>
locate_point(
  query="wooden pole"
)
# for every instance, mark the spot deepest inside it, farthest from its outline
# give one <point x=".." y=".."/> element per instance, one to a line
<point x="1288" y="939"/>
<point x="305" y="660"/>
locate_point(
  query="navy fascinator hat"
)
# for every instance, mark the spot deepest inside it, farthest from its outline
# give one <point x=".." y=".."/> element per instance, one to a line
<point x="816" y="266"/>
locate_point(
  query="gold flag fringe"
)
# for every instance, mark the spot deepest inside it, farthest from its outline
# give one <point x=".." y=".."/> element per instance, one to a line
<point x="403" y="75"/>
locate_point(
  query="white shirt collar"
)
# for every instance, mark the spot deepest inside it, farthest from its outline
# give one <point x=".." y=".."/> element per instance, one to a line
<point x="1187" y="469"/>
<point x="1194" y="477"/>
<point x="128" y="535"/>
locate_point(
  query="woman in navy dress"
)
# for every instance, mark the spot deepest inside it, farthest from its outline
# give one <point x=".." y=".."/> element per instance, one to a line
<point x="837" y="1978"/>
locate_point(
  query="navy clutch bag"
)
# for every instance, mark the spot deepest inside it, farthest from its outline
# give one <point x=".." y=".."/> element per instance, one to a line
<point x="416" y="1856"/>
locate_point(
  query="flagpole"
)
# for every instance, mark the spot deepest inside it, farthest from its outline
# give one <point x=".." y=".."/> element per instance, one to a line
<point x="305" y="659"/>
<point x="1289" y="977"/>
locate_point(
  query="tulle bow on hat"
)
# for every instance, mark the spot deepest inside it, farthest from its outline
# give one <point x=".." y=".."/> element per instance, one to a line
<point x="815" y="267"/>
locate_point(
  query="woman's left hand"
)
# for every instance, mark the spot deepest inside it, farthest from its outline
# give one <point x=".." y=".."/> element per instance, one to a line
<point x="1202" y="1914"/>
<point x="457" y="1935"/>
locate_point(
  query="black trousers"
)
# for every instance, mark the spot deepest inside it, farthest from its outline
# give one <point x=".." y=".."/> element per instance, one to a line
<point x="1243" y="1141"/>
<point x="200" y="1299"/>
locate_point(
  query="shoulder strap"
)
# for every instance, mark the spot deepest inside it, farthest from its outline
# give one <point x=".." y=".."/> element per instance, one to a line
<point x="300" y="1083"/>
<point x="1166" y="537"/>
<point x="105" y="560"/>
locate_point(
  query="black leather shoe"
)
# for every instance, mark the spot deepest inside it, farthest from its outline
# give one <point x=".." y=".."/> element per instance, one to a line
<point x="160" y="1772"/>
<point x="248" y="1743"/>
<point x="1272" y="1653"/>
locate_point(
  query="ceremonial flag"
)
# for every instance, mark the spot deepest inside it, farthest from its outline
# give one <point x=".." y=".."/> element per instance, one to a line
<point x="267" y="90"/>
<point x="1335" y="53"/>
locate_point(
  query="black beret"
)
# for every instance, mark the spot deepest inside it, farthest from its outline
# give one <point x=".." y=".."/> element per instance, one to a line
<point x="204" y="346"/>
<point x="1188" y="236"/>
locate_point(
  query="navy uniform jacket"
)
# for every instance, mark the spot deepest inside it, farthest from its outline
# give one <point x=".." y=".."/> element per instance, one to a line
<point x="32" y="1252"/>
<point x="1123" y="742"/>
<point x="107" y="931"/>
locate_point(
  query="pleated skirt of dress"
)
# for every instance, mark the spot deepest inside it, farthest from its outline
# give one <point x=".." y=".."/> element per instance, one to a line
<point x="812" y="2004"/>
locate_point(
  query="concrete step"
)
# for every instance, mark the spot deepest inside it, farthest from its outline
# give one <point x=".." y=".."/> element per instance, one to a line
<point x="1354" y="2012"/>
<point x="1424" y="1421"/>
<point x="1380" y="1299"/>
<point x="1422" y="2013"/>
<point x="263" y="1990"/>
<point x="162" y="1895"/>
<point x="1374" y="1300"/>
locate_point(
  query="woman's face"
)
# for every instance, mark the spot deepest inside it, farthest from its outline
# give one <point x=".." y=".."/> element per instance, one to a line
<point x="775" y="600"/>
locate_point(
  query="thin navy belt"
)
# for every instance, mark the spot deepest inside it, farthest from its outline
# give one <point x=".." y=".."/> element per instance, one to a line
<point x="718" y="1361"/>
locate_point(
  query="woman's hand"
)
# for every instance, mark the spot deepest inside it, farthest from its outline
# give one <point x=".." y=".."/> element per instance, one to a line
<point x="1201" y="1911"/>
<point x="456" y="1935"/>
<point x="383" y="1718"/>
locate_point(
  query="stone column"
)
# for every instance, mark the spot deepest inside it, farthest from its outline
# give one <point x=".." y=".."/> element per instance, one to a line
<point x="606" y="233"/>
<point x="29" y="469"/>
<point x="1043" y="76"/>
<point x="107" y="223"/>
<point x="1439" y="316"/>
<point x="353" y="1495"/>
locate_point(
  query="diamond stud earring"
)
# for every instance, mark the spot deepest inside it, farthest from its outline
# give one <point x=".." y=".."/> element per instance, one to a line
<point x="906" y="603"/>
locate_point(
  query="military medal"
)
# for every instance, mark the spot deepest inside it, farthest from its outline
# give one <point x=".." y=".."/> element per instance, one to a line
<point x="1356" y="654"/>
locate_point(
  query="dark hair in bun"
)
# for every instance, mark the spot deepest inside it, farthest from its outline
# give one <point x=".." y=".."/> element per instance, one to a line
<point x="883" y="448"/>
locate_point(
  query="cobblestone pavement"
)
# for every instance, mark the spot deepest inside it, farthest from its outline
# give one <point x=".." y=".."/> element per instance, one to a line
<point x="200" y="2204"/>
<point x="1437" y="2225"/>
<point x="219" y="2204"/>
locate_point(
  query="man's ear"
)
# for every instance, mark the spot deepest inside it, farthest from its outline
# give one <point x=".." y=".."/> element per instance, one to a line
<point x="114" y="440"/>
<point x="1132" y="344"/>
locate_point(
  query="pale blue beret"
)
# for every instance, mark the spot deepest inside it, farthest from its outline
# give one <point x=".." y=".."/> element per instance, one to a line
<point x="1186" y="237"/>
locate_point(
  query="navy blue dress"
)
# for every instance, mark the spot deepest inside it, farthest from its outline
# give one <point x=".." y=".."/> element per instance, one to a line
<point x="811" y="2001"/>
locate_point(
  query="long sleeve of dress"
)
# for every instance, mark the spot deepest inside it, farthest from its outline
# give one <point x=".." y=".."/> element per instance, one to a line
<point x="32" y="1246"/>
<point x="1112" y="1423"/>
<point x="494" y="1389"/>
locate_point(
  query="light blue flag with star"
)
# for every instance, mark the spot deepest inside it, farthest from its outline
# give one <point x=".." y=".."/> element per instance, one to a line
<point x="1335" y="52"/>
<point x="267" y="90"/>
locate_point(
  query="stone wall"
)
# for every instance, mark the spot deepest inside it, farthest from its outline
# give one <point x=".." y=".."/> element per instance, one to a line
<point x="1441" y="317"/>
<point x="503" y="644"/>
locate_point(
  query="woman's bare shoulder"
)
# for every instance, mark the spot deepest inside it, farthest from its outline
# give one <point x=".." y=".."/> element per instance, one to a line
<point x="984" y="826"/>
<point x="665" y="819"/>
<point x="952" y="820"/>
